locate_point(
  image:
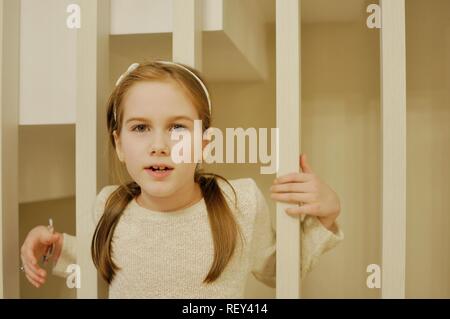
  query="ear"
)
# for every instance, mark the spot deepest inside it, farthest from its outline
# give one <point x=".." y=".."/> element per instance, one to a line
<point x="204" y="143"/>
<point x="118" y="146"/>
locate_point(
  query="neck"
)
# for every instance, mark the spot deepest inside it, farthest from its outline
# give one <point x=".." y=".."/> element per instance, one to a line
<point x="185" y="197"/>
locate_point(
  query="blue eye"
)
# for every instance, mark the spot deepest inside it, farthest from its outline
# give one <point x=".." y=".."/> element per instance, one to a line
<point x="178" y="126"/>
<point x="138" y="128"/>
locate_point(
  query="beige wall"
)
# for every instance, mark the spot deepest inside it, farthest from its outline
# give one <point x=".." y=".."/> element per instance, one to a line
<point x="428" y="149"/>
<point x="340" y="133"/>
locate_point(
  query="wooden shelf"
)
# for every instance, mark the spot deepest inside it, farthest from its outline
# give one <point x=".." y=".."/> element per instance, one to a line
<point x="235" y="32"/>
<point x="326" y="11"/>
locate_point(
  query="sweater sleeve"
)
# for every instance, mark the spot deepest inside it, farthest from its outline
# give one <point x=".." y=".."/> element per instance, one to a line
<point x="316" y="239"/>
<point x="69" y="247"/>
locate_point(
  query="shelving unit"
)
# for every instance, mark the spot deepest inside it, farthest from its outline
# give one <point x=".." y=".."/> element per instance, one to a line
<point x="372" y="118"/>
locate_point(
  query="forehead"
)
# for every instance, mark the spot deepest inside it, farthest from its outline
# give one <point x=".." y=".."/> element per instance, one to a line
<point x="157" y="100"/>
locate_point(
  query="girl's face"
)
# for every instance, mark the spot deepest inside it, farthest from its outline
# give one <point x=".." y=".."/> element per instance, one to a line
<point x="151" y="112"/>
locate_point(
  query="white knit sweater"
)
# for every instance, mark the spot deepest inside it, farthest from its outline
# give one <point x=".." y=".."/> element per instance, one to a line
<point x="168" y="254"/>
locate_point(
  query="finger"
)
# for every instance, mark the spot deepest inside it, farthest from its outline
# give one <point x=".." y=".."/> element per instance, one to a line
<point x="294" y="212"/>
<point x="30" y="259"/>
<point x="304" y="164"/>
<point x="27" y="252"/>
<point x="33" y="282"/>
<point x="32" y="275"/>
<point x="48" y="238"/>
<point x="294" y="198"/>
<point x="292" y="188"/>
<point x="41" y="273"/>
<point x="307" y="209"/>
<point x="293" y="177"/>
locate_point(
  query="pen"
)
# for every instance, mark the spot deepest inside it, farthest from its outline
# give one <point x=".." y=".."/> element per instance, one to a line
<point x="50" y="248"/>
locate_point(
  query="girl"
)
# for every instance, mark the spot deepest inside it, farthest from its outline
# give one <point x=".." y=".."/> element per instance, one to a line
<point x="175" y="231"/>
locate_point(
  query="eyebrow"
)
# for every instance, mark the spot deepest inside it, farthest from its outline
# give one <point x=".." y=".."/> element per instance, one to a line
<point x="173" y="118"/>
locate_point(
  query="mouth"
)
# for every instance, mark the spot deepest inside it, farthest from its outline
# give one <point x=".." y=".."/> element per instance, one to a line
<point x="159" y="171"/>
<point x="159" y="168"/>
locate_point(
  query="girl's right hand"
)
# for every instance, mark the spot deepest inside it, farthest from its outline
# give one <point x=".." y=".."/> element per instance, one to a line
<point x="34" y="248"/>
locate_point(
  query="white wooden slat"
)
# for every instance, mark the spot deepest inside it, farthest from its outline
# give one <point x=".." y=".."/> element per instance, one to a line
<point x="393" y="156"/>
<point x="288" y="111"/>
<point x="92" y="90"/>
<point x="9" y="133"/>
<point x="155" y="16"/>
<point x="187" y="32"/>
<point x="2" y="284"/>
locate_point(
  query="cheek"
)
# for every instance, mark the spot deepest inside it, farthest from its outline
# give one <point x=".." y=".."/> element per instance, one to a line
<point x="132" y="148"/>
<point x="190" y="147"/>
<point x="185" y="171"/>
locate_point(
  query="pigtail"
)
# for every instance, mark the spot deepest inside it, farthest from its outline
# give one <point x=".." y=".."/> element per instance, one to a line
<point x="101" y="246"/>
<point x="224" y="227"/>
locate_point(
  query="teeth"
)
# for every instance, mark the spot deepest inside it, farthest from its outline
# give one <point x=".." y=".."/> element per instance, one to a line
<point x="161" y="168"/>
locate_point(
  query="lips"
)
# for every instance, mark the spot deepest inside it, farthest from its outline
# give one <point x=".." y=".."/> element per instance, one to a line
<point x="159" y="171"/>
<point x="159" y="167"/>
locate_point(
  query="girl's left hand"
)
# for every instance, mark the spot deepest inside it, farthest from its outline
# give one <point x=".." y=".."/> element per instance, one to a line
<point x="308" y="190"/>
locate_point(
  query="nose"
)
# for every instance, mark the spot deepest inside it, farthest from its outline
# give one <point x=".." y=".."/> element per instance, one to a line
<point x="159" y="147"/>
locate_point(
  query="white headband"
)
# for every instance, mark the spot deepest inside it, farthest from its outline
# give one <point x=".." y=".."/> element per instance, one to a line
<point x="134" y="66"/>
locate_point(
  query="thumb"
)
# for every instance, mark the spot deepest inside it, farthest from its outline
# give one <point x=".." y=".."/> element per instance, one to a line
<point x="47" y="238"/>
<point x="304" y="165"/>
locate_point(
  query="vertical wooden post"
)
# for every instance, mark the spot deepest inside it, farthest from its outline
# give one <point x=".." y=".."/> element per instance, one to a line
<point x="393" y="155"/>
<point x="9" y="159"/>
<point x="187" y="32"/>
<point x="288" y="99"/>
<point x="92" y="89"/>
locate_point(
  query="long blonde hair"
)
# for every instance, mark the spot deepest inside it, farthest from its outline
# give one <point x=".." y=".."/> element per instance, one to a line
<point x="223" y="224"/>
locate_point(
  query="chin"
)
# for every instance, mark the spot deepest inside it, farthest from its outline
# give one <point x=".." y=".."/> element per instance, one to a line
<point x="158" y="188"/>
